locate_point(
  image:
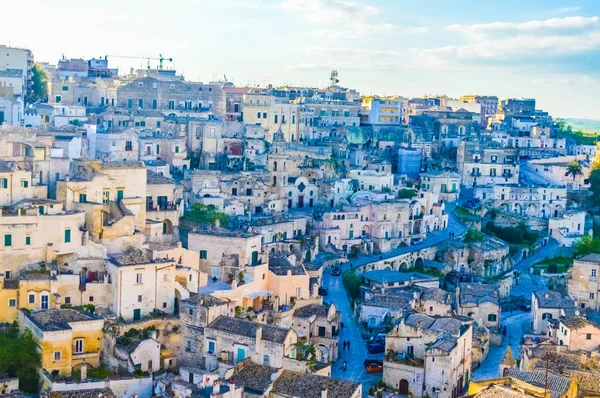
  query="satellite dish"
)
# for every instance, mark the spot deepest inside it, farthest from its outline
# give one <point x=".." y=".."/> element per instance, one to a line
<point x="577" y="313"/>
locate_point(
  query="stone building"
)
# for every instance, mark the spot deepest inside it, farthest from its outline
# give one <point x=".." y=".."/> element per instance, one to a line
<point x="164" y="205"/>
<point x="172" y="96"/>
<point x="531" y="201"/>
<point x="547" y="306"/>
<point x="428" y="355"/>
<point x="231" y="340"/>
<point x="578" y="333"/>
<point x="444" y="184"/>
<point x="67" y="338"/>
<point x="482" y="163"/>
<point x="321" y="324"/>
<point x="481" y="303"/>
<point x="584" y="287"/>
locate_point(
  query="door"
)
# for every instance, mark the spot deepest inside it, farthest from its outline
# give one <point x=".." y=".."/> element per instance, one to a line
<point x="162" y="202"/>
<point x="300" y="201"/>
<point x="44" y="302"/>
<point x="119" y="194"/>
<point x="403" y="387"/>
<point x="1" y="117"/>
<point x="241" y="354"/>
<point x="137" y="314"/>
<point x="176" y="306"/>
<point x="254" y="258"/>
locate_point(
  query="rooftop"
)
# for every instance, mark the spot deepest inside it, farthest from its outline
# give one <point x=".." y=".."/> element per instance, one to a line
<point x="306" y="385"/>
<point x="155" y="178"/>
<point x="551" y="299"/>
<point x="205" y="300"/>
<point x="59" y="319"/>
<point x="319" y="310"/>
<point x="128" y="164"/>
<point x="91" y="393"/>
<point x="248" y="329"/>
<point x="254" y="377"/>
<point x="279" y="264"/>
<point x="590" y="258"/>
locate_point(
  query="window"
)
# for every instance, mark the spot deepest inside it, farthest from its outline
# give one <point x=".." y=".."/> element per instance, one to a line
<point x="258" y="115"/>
<point x="82" y="198"/>
<point x="67" y="300"/>
<point x="188" y="346"/>
<point x="176" y="149"/>
<point x="203" y="254"/>
<point x="588" y="336"/>
<point x="154" y="104"/>
<point x="172" y="86"/>
<point x="171" y="104"/>
<point x="138" y="278"/>
<point x="298" y="290"/>
<point x="91" y="299"/>
<point x="140" y="84"/>
<point x="12" y="302"/>
<point x="7" y="240"/>
<point x="3" y="183"/>
<point x="105" y="197"/>
<point x="140" y="103"/>
<point x="58" y="99"/>
<point x="266" y="360"/>
<point x="492" y="317"/>
<point x="57" y="355"/>
<point x="24" y="184"/>
<point x="130" y="103"/>
<point x="275" y="119"/>
<point x="139" y="298"/>
<point x="27" y="240"/>
<point x="593" y="272"/>
<point x="78" y="346"/>
<point x="128" y="146"/>
<point x="65" y="88"/>
<point x="31" y="298"/>
<point x="264" y="115"/>
<point x="591" y="296"/>
<point x="164" y="305"/>
<point x="190" y="311"/>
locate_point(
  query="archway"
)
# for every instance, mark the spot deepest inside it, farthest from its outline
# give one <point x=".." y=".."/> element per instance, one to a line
<point x="403" y="266"/>
<point x="419" y="262"/>
<point x="167" y="227"/>
<point x="403" y="387"/>
<point x="531" y="210"/>
<point x="518" y="208"/>
<point x="504" y="207"/>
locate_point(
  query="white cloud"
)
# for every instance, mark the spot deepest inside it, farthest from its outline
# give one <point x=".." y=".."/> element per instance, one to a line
<point x="569" y="9"/>
<point x="329" y="10"/>
<point x="351" y="52"/>
<point x="553" y="25"/>
<point x="342" y="65"/>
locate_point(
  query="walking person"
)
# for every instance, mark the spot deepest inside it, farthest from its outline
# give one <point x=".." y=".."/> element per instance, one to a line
<point x="342" y="326"/>
<point x="348" y="345"/>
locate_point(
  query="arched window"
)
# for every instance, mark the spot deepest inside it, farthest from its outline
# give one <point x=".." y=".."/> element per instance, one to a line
<point x="492" y="317"/>
<point x="547" y="315"/>
<point x="274" y="166"/>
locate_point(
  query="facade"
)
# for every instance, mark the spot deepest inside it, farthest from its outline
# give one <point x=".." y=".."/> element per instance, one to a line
<point x="583" y="283"/>
<point x="67" y="338"/>
<point x="428" y="355"/>
<point x="487" y="163"/>
<point x="547" y="306"/>
<point x="578" y="334"/>
<point x="532" y="201"/>
<point x="382" y="111"/>
<point x="444" y="184"/>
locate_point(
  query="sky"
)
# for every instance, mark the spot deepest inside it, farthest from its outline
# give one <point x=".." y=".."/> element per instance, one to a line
<point x="545" y="49"/>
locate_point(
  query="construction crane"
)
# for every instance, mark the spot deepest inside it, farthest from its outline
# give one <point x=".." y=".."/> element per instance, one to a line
<point x="160" y="59"/>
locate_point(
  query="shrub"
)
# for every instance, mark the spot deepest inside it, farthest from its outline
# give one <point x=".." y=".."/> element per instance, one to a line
<point x="352" y="283"/>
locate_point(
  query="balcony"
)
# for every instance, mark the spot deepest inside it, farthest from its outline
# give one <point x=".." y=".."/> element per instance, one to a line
<point x="475" y="174"/>
<point x="161" y="206"/>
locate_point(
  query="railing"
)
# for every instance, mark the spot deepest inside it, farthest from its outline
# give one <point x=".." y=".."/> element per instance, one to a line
<point x="163" y="207"/>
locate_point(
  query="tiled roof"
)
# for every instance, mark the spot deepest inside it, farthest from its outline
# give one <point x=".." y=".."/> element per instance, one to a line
<point x="575" y="322"/>
<point x="254" y="377"/>
<point x="320" y="310"/>
<point x="306" y="385"/>
<point x="498" y="391"/>
<point x="92" y="393"/>
<point x="435" y="294"/>
<point x="555" y="383"/>
<point x="279" y="264"/>
<point x="422" y="320"/>
<point x="59" y="319"/>
<point x="128" y="164"/>
<point x="388" y="301"/>
<point x="155" y="178"/>
<point x="551" y="299"/>
<point x="446" y="344"/>
<point x="248" y="329"/>
<point x="133" y="257"/>
<point x="205" y="300"/>
<point x="476" y="293"/>
<point x="448" y="325"/>
<point x="591" y="258"/>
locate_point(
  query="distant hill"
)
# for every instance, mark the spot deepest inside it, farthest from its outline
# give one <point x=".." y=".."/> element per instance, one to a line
<point x="590" y="126"/>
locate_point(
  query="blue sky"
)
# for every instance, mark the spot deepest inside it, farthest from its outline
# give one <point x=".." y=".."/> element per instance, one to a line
<point x="546" y="49"/>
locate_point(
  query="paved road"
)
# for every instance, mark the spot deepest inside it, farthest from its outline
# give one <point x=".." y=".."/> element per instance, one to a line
<point x="337" y="294"/>
<point x="517" y="323"/>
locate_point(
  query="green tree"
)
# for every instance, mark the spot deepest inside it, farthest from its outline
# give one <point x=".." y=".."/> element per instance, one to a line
<point x="574" y="169"/>
<point x="595" y="185"/>
<point x="39" y="88"/>
<point x="352" y="282"/>
<point x="587" y="245"/>
<point x="19" y="357"/>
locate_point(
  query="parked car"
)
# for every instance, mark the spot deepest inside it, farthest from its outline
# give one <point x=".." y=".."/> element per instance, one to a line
<point x="376" y="347"/>
<point x="525" y="308"/>
<point x="416" y="241"/>
<point x="373" y="365"/>
<point x="336" y="271"/>
<point x="379" y="338"/>
<point x="323" y="291"/>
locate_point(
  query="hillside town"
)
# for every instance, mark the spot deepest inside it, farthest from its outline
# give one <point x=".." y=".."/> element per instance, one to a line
<point x="165" y="237"/>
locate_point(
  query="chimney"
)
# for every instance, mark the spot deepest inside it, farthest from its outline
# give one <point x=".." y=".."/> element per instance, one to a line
<point x="217" y="387"/>
<point x="258" y="334"/>
<point x="324" y="393"/>
<point x="83" y="371"/>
